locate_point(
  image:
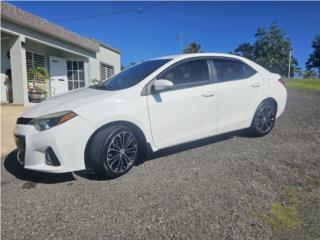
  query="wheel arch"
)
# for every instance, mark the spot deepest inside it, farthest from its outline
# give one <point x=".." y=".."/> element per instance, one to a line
<point x="144" y="145"/>
<point x="268" y="99"/>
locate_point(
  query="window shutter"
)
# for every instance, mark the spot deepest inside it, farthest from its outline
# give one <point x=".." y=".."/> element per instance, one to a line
<point x="39" y="60"/>
<point x="109" y="71"/>
<point x="106" y="71"/>
<point x="29" y="65"/>
<point x="34" y="60"/>
<point x="103" y="75"/>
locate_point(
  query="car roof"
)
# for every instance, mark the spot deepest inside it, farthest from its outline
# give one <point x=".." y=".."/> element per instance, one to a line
<point x="191" y="55"/>
<point x="179" y="57"/>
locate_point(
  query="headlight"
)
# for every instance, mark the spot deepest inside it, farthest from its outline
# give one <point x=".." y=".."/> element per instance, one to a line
<point x="48" y="121"/>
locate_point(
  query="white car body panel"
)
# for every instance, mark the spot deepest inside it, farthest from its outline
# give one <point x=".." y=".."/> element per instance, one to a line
<point x="171" y="126"/>
<point x="238" y="101"/>
<point x="171" y="118"/>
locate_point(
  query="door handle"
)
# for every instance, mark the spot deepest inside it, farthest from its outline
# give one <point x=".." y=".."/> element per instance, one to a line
<point x="208" y="94"/>
<point x="255" y="85"/>
<point x="60" y="79"/>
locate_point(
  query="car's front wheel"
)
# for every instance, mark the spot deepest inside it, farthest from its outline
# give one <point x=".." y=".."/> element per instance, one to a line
<point x="264" y="119"/>
<point x="114" y="150"/>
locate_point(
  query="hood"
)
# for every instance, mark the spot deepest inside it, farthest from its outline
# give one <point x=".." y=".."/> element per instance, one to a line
<point x="67" y="101"/>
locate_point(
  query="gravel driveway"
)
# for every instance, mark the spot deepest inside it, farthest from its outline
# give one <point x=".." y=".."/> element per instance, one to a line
<point x="226" y="187"/>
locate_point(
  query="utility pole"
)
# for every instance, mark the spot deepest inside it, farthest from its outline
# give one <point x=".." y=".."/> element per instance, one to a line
<point x="289" y="67"/>
<point x="179" y="38"/>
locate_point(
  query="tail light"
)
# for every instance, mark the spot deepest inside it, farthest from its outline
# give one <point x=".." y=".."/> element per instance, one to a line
<point x="281" y="80"/>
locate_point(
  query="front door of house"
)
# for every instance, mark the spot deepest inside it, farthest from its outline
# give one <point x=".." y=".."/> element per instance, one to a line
<point x="58" y="75"/>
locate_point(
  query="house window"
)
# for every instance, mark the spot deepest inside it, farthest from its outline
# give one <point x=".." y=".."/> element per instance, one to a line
<point x="34" y="60"/>
<point x="75" y="70"/>
<point x="106" y="71"/>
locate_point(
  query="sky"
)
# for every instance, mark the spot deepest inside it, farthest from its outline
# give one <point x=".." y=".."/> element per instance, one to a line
<point x="143" y="30"/>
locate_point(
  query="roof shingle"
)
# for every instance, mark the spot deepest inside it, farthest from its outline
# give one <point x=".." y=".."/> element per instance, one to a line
<point x="26" y="19"/>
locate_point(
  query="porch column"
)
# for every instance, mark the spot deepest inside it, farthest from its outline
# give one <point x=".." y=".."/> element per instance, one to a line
<point x="87" y="81"/>
<point x="19" y="71"/>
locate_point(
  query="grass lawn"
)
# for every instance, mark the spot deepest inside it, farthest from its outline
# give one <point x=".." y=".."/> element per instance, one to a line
<point x="297" y="83"/>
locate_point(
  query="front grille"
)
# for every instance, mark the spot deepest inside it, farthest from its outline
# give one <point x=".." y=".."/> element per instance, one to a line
<point x="23" y="121"/>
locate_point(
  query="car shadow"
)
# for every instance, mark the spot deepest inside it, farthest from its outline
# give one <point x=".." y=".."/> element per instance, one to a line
<point x="13" y="167"/>
<point x="187" y="146"/>
<point x="172" y="150"/>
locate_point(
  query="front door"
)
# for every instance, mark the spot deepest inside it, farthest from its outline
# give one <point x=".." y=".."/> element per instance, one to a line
<point x="189" y="110"/>
<point x="58" y="75"/>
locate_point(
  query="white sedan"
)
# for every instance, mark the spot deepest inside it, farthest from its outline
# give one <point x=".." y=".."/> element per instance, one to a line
<point x="152" y="105"/>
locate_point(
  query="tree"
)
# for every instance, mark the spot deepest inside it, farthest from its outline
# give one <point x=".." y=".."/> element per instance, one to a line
<point x="246" y="50"/>
<point x="308" y="74"/>
<point x="192" y="47"/>
<point x="314" y="58"/>
<point x="271" y="50"/>
<point x="131" y="64"/>
<point x="39" y="73"/>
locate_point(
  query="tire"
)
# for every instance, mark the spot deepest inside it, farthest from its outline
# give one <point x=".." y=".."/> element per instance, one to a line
<point x="264" y="119"/>
<point x="114" y="151"/>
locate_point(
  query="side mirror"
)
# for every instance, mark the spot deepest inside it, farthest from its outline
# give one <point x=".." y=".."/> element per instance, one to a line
<point x="161" y="85"/>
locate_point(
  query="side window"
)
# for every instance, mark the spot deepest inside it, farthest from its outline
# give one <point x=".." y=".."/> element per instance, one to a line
<point x="190" y="73"/>
<point x="230" y="70"/>
<point x="249" y="71"/>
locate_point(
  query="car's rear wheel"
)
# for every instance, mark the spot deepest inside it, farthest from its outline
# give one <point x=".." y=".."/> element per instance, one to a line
<point x="264" y="119"/>
<point x="114" y="150"/>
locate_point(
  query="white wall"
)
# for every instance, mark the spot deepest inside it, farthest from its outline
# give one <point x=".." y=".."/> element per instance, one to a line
<point x="45" y="39"/>
<point x="18" y="71"/>
<point x="5" y="65"/>
<point x="107" y="56"/>
<point x="48" y="46"/>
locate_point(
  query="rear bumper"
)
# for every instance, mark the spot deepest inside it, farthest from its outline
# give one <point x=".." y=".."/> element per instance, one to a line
<point x="65" y="142"/>
<point x="282" y="102"/>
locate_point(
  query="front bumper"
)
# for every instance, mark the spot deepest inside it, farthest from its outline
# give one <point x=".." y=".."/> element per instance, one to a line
<point x="67" y="142"/>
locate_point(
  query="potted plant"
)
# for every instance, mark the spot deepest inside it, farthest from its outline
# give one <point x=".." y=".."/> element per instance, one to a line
<point x="96" y="81"/>
<point x="38" y="93"/>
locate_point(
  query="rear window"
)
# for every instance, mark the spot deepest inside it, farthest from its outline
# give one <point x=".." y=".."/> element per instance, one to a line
<point x="230" y="70"/>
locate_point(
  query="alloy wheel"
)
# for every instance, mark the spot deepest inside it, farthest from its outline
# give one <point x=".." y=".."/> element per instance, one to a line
<point x="265" y="118"/>
<point x="122" y="152"/>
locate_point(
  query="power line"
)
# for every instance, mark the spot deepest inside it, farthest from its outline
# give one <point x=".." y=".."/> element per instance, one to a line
<point x="137" y="10"/>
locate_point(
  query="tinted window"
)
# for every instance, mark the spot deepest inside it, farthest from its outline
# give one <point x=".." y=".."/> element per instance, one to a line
<point x="229" y="70"/>
<point x="131" y="76"/>
<point x="188" y="73"/>
<point x="249" y="70"/>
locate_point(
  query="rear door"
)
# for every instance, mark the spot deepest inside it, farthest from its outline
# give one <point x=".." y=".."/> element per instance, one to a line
<point x="189" y="110"/>
<point x="240" y="89"/>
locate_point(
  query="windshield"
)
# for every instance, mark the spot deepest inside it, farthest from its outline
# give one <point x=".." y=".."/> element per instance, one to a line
<point x="131" y="76"/>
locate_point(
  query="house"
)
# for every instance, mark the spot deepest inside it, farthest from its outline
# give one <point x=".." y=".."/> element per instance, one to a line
<point x="71" y="61"/>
